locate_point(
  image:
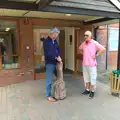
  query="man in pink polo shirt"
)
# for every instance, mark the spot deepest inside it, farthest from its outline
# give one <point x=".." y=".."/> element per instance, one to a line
<point x="90" y="49"/>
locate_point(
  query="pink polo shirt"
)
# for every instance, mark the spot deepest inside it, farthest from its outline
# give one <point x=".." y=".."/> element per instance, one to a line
<point x="89" y="51"/>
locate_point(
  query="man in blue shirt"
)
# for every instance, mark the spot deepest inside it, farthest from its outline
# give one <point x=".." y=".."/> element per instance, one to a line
<point x="52" y="56"/>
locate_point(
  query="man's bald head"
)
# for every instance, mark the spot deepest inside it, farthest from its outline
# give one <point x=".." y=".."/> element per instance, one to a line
<point x="88" y="35"/>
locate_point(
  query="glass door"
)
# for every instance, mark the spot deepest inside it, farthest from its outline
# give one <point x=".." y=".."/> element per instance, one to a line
<point x="39" y="62"/>
<point x="9" y="45"/>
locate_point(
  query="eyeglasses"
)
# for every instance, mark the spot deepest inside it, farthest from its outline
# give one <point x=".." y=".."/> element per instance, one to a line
<point x="86" y="35"/>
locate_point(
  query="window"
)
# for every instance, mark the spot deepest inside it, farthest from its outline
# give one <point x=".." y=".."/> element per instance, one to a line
<point x="113" y="38"/>
<point x="9" y="58"/>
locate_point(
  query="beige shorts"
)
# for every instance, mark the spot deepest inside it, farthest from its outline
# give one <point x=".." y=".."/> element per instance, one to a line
<point x="90" y="74"/>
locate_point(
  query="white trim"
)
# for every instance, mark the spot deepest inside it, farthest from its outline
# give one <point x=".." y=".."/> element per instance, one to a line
<point x="113" y="50"/>
<point x="107" y="22"/>
<point x="116" y="3"/>
<point x="94" y="18"/>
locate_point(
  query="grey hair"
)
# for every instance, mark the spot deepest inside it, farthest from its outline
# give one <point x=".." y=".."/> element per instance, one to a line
<point x="54" y="30"/>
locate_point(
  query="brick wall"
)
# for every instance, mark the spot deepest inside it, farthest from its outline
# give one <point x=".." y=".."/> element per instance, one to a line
<point x="112" y="55"/>
<point x="25" y="37"/>
<point x="14" y="76"/>
<point x="26" y="71"/>
<point x="112" y="60"/>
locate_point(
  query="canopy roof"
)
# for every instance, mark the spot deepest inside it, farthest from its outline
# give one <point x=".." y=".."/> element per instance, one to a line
<point x="82" y="10"/>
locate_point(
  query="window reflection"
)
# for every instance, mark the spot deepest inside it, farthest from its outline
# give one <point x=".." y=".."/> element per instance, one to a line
<point x="9" y="58"/>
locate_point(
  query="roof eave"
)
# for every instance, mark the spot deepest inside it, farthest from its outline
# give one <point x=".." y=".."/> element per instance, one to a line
<point x="81" y="11"/>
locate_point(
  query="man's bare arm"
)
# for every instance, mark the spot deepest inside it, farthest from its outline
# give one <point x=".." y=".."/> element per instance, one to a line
<point x="80" y="50"/>
<point x="101" y="51"/>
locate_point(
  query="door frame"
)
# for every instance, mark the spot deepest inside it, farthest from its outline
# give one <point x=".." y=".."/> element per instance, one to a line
<point x="41" y="75"/>
<point x="82" y="29"/>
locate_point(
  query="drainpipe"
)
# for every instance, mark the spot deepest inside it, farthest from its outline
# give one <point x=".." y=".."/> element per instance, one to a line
<point x="118" y="63"/>
<point x="95" y="32"/>
<point x="107" y="49"/>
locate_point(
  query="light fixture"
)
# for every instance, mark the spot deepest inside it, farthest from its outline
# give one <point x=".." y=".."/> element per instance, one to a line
<point x="1" y="40"/>
<point x="68" y="14"/>
<point x="7" y="29"/>
<point x="37" y="1"/>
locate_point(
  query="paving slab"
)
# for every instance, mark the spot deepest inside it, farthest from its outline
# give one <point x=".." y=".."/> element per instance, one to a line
<point x="26" y="101"/>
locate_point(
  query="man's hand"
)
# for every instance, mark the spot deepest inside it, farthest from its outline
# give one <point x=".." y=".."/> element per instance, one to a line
<point x="59" y="59"/>
<point x="81" y="51"/>
<point x="101" y="51"/>
<point x="94" y="57"/>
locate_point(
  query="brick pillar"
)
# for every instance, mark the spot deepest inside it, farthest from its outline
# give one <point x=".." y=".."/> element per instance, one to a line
<point x="26" y="45"/>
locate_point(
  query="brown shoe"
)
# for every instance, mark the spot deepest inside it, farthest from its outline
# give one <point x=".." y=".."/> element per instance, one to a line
<point x="50" y="99"/>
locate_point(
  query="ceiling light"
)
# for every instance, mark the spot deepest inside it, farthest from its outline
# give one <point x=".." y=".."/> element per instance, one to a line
<point x="37" y="1"/>
<point x="7" y="29"/>
<point x="68" y="14"/>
